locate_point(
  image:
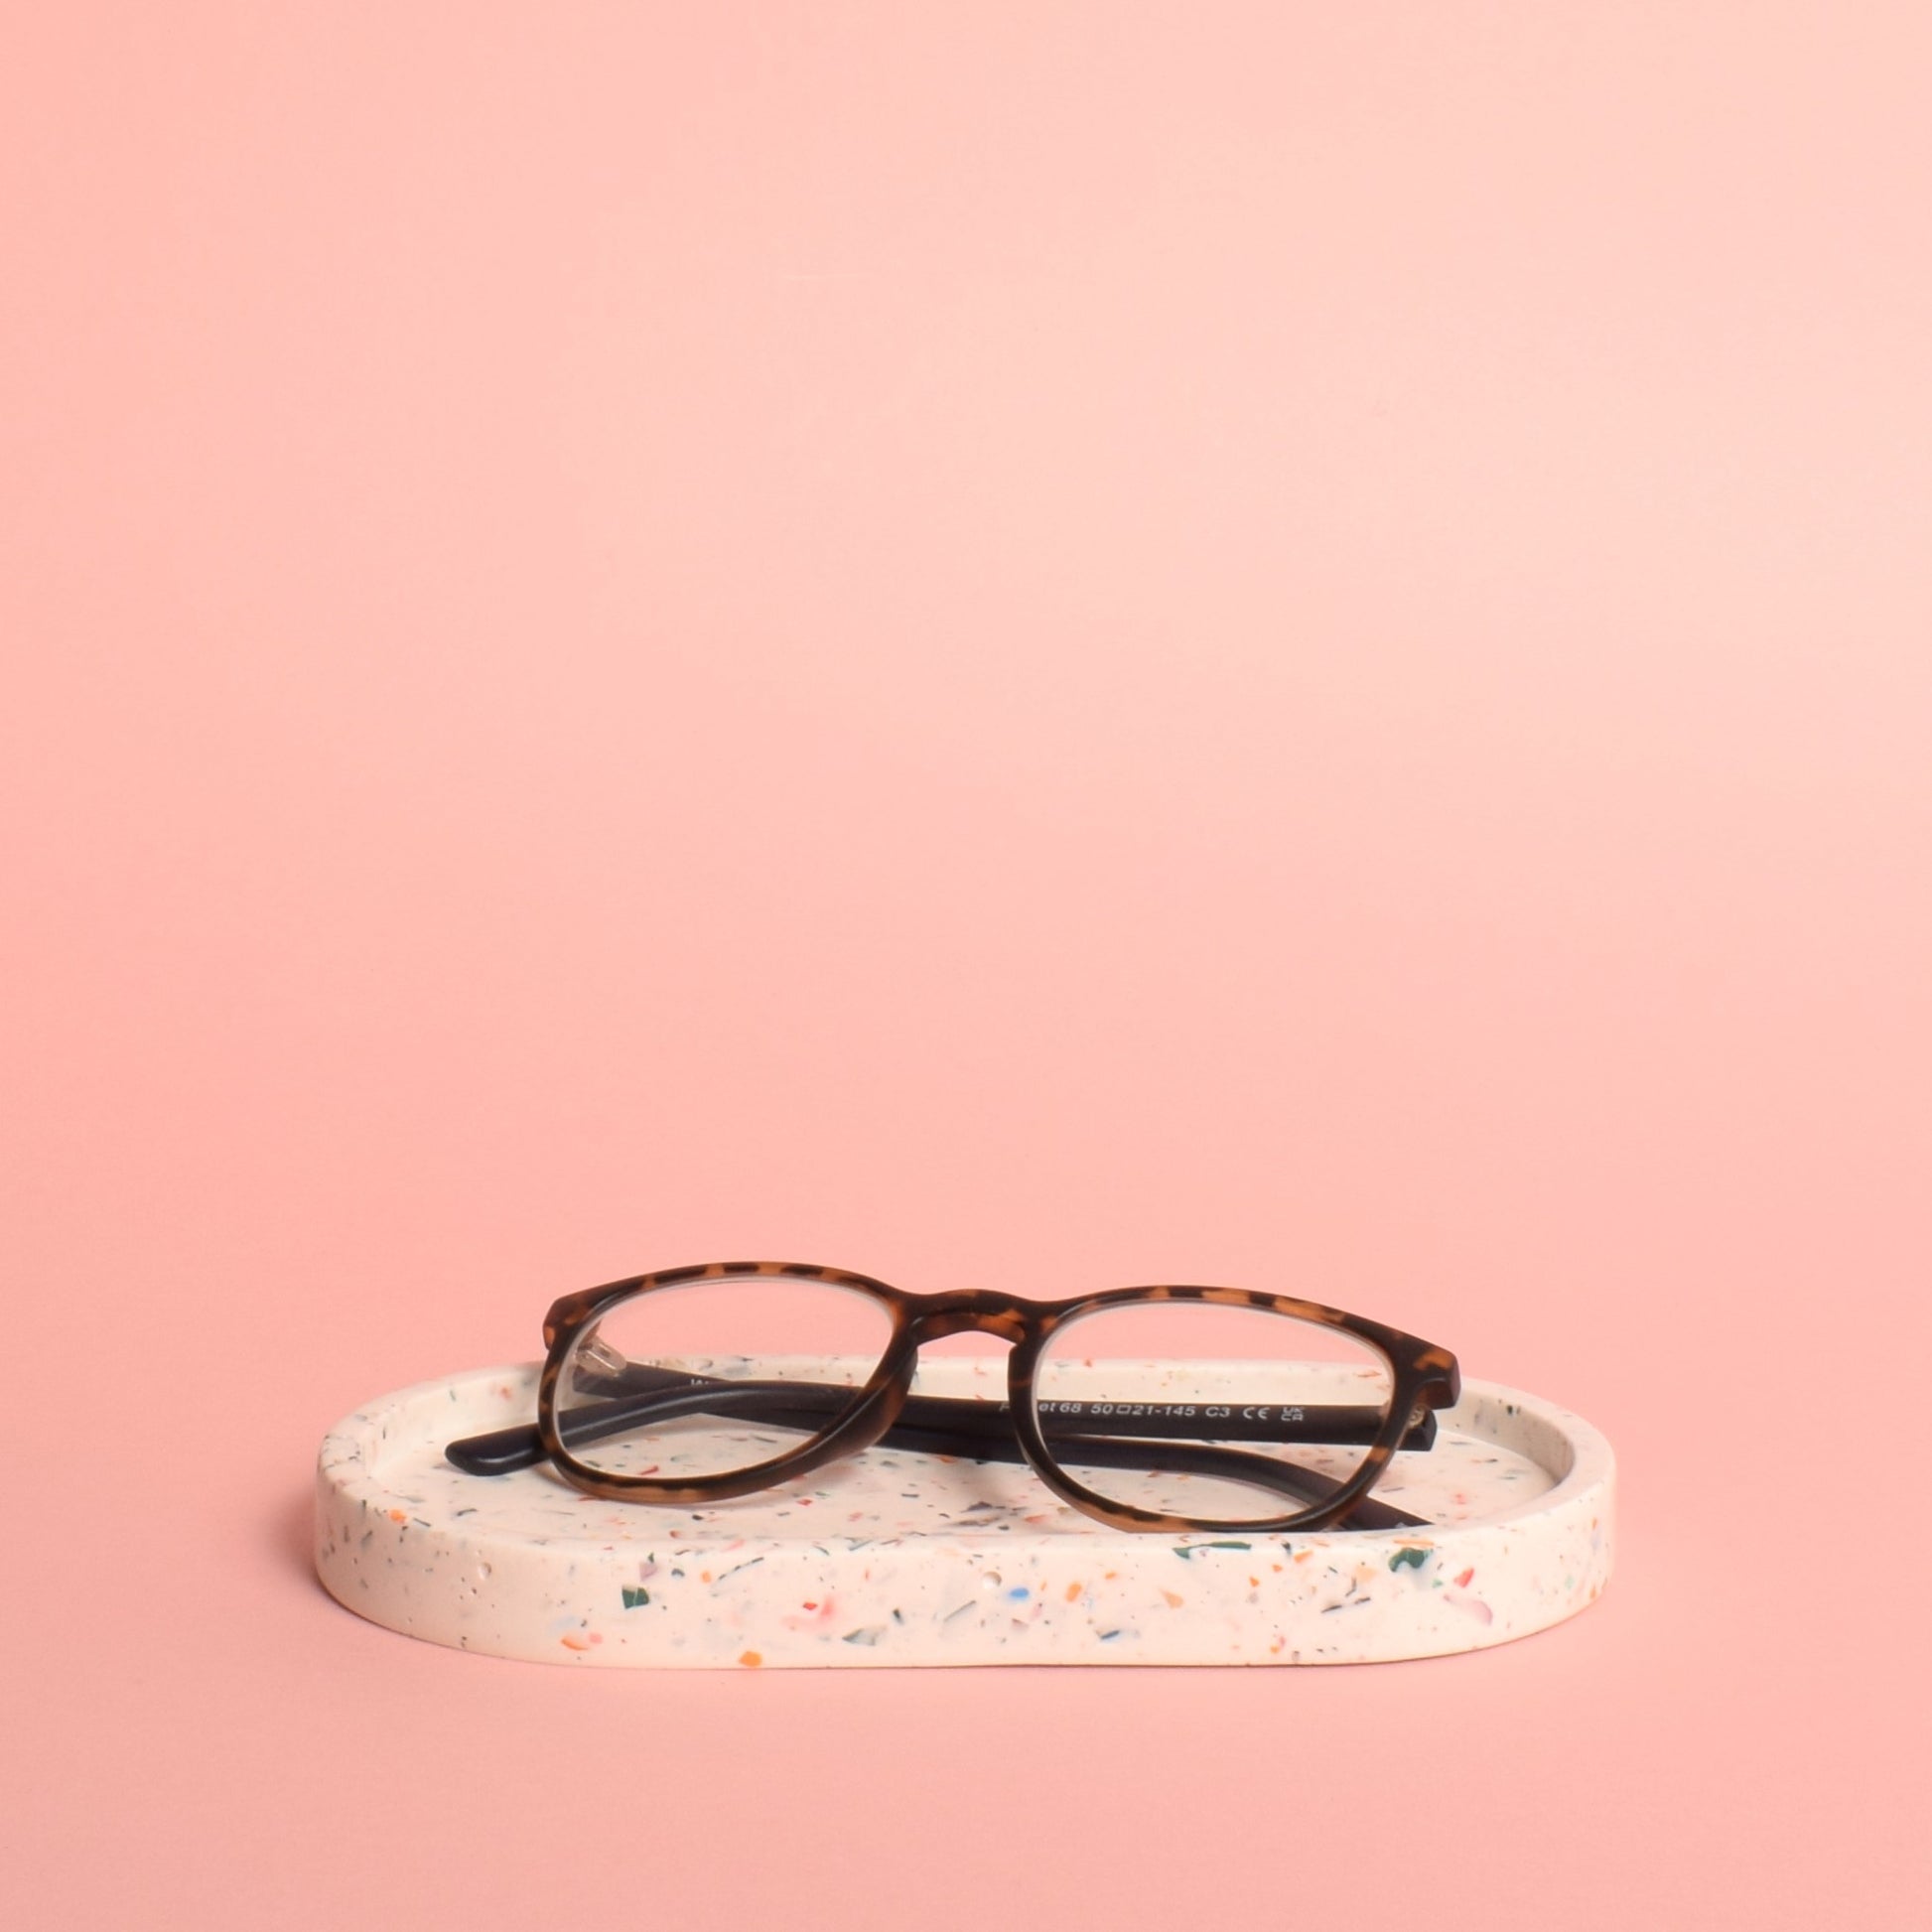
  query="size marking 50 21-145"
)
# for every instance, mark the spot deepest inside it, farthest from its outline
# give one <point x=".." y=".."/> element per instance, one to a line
<point x="1247" y="1411"/>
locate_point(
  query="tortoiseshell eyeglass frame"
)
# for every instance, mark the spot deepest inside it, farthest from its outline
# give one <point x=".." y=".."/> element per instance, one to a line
<point x="1424" y="1378"/>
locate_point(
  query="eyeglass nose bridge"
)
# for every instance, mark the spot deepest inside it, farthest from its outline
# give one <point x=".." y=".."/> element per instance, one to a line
<point x="968" y="1311"/>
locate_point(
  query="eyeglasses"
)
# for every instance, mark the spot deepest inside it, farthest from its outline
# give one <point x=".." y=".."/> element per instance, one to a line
<point x="1167" y="1409"/>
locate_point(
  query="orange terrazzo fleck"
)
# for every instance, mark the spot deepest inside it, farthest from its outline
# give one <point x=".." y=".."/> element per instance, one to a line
<point x="1073" y="1592"/>
<point x="750" y="1659"/>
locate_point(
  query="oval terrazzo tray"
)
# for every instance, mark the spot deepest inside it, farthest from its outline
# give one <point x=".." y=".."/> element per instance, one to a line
<point x="896" y="1557"/>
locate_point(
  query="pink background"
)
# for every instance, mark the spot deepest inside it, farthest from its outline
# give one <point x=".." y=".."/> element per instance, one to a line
<point x="1027" y="645"/>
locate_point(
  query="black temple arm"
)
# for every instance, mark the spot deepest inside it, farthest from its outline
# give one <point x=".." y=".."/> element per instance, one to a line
<point x="1116" y="1438"/>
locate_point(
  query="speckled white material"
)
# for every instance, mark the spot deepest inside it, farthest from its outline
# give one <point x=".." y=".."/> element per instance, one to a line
<point x="894" y="1558"/>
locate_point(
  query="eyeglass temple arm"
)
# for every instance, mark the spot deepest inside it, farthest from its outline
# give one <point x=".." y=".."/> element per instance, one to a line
<point x="1183" y="1458"/>
<point x="1143" y="1421"/>
<point x="1265" y="1422"/>
<point x="935" y="1424"/>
